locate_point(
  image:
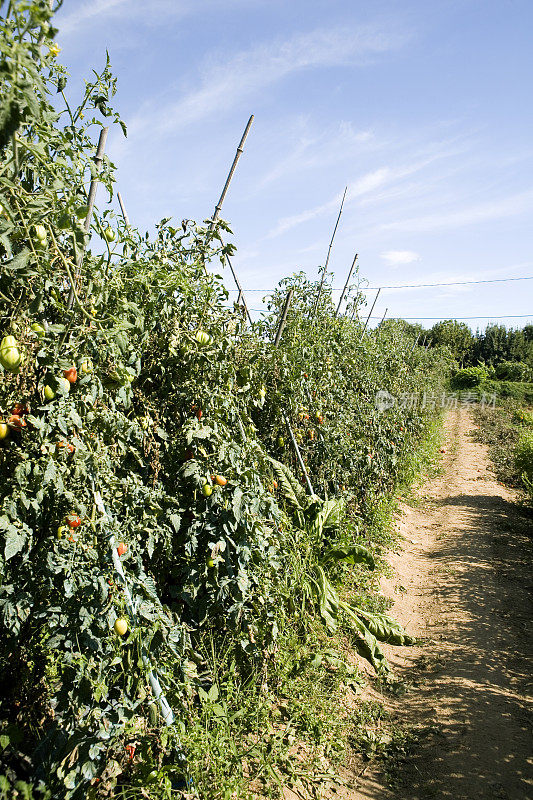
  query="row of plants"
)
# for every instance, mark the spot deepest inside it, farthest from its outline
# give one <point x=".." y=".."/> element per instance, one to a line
<point x="154" y="514"/>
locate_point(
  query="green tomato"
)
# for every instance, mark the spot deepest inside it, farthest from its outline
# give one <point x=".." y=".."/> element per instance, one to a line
<point x="86" y="366"/>
<point x="62" y="531"/>
<point x="202" y="338"/>
<point x="49" y="393"/>
<point x="10" y="355"/>
<point x="281" y="441"/>
<point x="40" y="232"/>
<point x="207" y="490"/>
<point x="109" y="234"/>
<point x="121" y="626"/>
<point x="38" y="329"/>
<point x="210" y="563"/>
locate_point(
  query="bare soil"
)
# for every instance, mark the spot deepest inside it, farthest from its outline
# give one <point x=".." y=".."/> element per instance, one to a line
<point x="463" y="581"/>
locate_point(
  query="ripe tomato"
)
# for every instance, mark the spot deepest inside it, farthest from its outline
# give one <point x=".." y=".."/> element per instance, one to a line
<point x="199" y="413"/>
<point x="71" y="374"/>
<point x="130" y="750"/>
<point x="121" y="626"/>
<point x="73" y="521"/>
<point x="4" y="431"/>
<point x="220" y="480"/>
<point x="275" y="484"/>
<point x="121" y="549"/>
<point x="16" y="422"/>
<point x="70" y="447"/>
<point x="20" y="409"/>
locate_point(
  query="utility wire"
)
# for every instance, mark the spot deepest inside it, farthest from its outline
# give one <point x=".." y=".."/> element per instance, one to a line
<point x="450" y="316"/>
<point x="416" y="285"/>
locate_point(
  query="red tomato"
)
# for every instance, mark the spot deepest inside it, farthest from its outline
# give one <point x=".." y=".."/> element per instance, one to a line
<point x="16" y="422"/>
<point x="20" y="409"/>
<point x="73" y="521"/>
<point x="71" y="374"/>
<point x="121" y="549"/>
<point x="130" y="750"/>
<point x="199" y="413"/>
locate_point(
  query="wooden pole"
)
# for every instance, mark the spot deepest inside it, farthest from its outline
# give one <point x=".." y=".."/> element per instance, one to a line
<point x="319" y="294"/>
<point x="283" y="318"/>
<point x="370" y="314"/>
<point x="346" y="285"/>
<point x="415" y="343"/>
<point x="90" y="205"/>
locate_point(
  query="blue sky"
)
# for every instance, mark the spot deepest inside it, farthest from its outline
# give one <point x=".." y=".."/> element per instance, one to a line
<point x="423" y="109"/>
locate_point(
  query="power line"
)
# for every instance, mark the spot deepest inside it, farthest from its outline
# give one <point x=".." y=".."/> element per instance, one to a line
<point x="443" y="317"/>
<point x="416" y="285"/>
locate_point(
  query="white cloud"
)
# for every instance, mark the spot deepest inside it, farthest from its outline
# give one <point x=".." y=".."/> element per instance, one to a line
<point x="226" y="82"/>
<point x="71" y="23"/>
<point x="394" y="258"/>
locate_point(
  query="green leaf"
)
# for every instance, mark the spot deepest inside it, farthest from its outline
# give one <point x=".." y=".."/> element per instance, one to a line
<point x="15" y="541"/>
<point x="352" y="554"/>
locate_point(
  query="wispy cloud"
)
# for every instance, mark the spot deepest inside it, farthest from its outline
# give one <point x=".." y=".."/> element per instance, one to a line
<point x="98" y="9"/>
<point x="395" y="258"/>
<point x="154" y="14"/>
<point x="362" y="188"/>
<point x="224" y="83"/>
<point x="467" y="215"/>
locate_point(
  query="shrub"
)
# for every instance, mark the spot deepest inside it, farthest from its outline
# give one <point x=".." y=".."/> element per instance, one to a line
<point x="469" y="377"/>
<point x="513" y="371"/>
<point x="524" y="455"/>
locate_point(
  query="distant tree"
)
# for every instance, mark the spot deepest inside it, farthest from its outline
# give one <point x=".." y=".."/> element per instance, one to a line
<point x="455" y="335"/>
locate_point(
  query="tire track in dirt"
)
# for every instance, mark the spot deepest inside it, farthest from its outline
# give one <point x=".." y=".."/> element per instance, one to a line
<point x="463" y="580"/>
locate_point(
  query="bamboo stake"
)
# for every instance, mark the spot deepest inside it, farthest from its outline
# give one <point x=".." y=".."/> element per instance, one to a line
<point x="238" y="154"/>
<point x="90" y="206"/>
<point x="382" y="318"/>
<point x="283" y="318"/>
<point x="346" y="285"/>
<point x="123" y="209"/>
<point x="285" y="418"/>
<point x="240" y="296"/>
<point x="299" y="455"/>
<point x="370" y="314"/>
<point x="218" y="209"/>
<point x="415" y="343"/>
<point x="329" y="254"/>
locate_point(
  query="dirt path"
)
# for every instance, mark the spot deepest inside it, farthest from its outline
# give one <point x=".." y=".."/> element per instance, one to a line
<point x="463" y="581"/>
